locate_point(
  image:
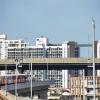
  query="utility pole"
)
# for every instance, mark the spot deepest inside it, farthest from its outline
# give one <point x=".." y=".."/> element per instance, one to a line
<point x="94" y="90"/>
<point x="5" y="79"/>
<point x="5" y="70"/>
<point x="31" y="75"/>
<point x="16" y="72"/>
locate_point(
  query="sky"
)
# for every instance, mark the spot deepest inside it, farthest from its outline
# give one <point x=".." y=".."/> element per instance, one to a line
<point x="59" y="20"/>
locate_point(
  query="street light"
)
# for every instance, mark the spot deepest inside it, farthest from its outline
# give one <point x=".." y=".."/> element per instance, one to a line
<point x="18" y="64"/>
<point x="5" y="80"/>
<point x="47" y="70"/>
<point x="16" y="60"/>
<point x="45" y="56"/>
<point x="31" y="74"/>
<point x="5" y="71"/>
<point x="93" y="23"/>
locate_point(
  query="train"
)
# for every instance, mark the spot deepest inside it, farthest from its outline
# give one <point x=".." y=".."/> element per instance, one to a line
<point x="11" y="79"/>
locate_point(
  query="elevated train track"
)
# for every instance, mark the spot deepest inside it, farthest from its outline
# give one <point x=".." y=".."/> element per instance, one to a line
<point x="53" y="63"/>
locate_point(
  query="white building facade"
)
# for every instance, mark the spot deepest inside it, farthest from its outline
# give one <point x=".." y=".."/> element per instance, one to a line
<point x="12" y="49"/>
<point x="98" y="54"/>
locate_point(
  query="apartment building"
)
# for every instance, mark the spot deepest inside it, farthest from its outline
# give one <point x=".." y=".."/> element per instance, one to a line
<point x="81" y="88"/>
<point x="12" y="49"/>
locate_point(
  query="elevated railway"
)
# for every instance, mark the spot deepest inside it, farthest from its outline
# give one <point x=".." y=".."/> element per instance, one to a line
<point x="52" y="63"/>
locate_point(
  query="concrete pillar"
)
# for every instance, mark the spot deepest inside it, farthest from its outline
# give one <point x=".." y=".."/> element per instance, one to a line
<point x="43" y="94"/>
<point x="83" y="84"/>
<point x="40" y="95"/>
<point x="44" y="74"/>
<point x="98" y="72"/>
<point x="85" y="72"/>
<point x="65" y="78"/>
<point x="35" y="96"/>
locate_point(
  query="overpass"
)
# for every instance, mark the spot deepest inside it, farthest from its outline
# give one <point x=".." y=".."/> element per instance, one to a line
<point x="39" y="88"/>
<point x="51" y="63"/>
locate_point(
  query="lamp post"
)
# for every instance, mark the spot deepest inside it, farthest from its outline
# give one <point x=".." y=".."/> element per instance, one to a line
<point x="5" y="80"/>
<point x="5" y="70"/>
<point x="31" y="74"/>
<point x="93" y="23"/>
<point x="16" y="71"/>
<point x="47" y="70"/>
<point x="45" y="56"/>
